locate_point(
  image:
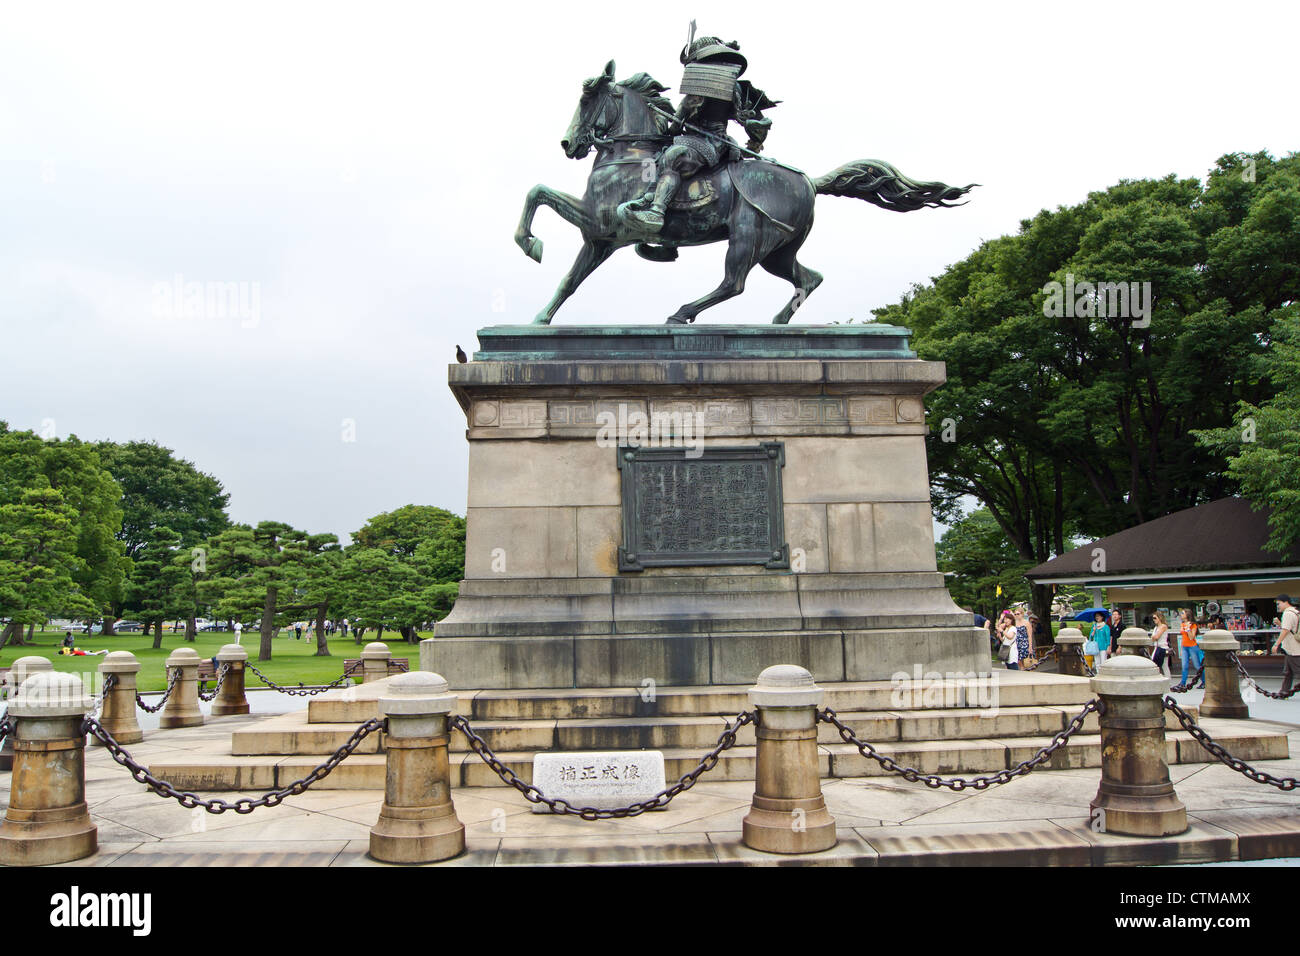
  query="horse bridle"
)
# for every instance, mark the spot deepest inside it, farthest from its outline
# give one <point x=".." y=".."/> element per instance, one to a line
<point x="588" y="132"/>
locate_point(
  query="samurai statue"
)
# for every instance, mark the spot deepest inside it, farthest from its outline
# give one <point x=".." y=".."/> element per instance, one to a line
<point x="713" y="95"/>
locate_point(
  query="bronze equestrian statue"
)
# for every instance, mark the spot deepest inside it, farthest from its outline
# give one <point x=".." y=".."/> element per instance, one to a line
<point x="665" y="178"/>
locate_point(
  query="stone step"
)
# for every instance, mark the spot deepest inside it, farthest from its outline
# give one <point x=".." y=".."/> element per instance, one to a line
<point x="217" y="772"/>
<point x="1001" y="689"/>
<point x="291" y="734"/>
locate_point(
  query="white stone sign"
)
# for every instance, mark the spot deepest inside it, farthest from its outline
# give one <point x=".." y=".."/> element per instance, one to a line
<point x="605" y="780"/>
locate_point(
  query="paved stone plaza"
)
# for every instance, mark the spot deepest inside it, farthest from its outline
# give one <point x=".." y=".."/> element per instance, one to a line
<point x="1041" y="819"/>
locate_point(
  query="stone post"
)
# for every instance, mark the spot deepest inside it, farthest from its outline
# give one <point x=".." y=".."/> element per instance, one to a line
<point x="22" y="668"/>
<point x="788" y="813"/>
<point x="1222" y="682"/>
<point x="1070" y="656"/>
<point x="118" y="716"/>
<point x="47" y="820"/>
<point x="417" y="821"/>
<point x="1135" y="797"/>
<point x="1135" y="640"/>
<point x="231" y="699"/>
<point x="374" y="662"/>
<point x="182" y="709"/>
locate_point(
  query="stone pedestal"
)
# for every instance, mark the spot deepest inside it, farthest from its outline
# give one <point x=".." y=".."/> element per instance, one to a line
<point x="1069" y="642"/>
<point x="571" y="573"/>
<point x="1136" y="796"/>
<point x="118" y="716"/>
<point x="788" y="813"/>
<point x="1135" y="640"/>
<point x="417" y="821"/>
<point x="47" y="820"/>
<point x="182" y="707"/>
<point x="1222" y="681"/>
<point x="232" y="698"/>
<point x="23" y="668"/>
<point x="374" y="662"/>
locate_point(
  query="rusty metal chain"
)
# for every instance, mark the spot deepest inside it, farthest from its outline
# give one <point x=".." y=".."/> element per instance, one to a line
<point x="243" y="805"/>
<point x="1219" y="752"/>
<point x="1037" y="661"/>
<point x="661" y="799"/>
<point x="1192" y="682"/>
<point x="171" y="686"/>
<point x="300" y="690"/>
<point x="1241" y="669"/>
<point x="1088" y="671"/>
<point x="957" y="784"/>
<point x="6" y="727"/>
<point x="221" y="679"/>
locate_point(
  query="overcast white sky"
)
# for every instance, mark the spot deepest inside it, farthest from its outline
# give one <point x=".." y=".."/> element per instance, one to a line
<point x="364" y="165"/>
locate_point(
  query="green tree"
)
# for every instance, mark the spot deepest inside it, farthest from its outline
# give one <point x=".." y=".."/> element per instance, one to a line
<point x="1264" y="440"/>
<point x="39" y="564"/>
<point x="160" y="490"/>
<point x="73" y="469"/>
<point x="253" y="571"/>
<point x="1079" y="420"/>
<point x="977" y="558"/>
<point x="160" y="586"/>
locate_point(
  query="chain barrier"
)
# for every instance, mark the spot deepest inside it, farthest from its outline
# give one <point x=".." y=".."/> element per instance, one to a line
<point x="171" y="686"/>
<point x="661" y="799"/>
<point x="211" y="695"/>
<point x="1220" y="753"/>
<point x="1196" y="680"/>
<point x="300" y="690"/>
<point x="1038" y="661"/>
<point x="6" y="727"/>
<point x="243" y="805"/>
<point x="957" y="784"/>
<point x="1241" y="669"/>
<point x="1088" y="671"/>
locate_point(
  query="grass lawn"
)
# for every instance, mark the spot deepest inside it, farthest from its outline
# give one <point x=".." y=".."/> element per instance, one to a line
<point x="292" y="661"/>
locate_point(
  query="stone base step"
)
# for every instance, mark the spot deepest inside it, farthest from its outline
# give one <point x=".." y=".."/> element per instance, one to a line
<point x="1001" y="689"/>
<point x="291" y="734"/>
<point x="1245" y="739"/>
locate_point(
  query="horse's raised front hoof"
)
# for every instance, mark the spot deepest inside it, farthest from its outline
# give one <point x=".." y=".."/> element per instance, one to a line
<point x="532" y="246"/>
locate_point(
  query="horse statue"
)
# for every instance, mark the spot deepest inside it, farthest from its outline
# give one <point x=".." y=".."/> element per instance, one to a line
<point x="762" y="208"/>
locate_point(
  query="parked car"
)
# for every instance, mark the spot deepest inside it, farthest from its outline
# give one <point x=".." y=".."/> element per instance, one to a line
<point x="128" y="626"/>
<point x="212" y="626"/>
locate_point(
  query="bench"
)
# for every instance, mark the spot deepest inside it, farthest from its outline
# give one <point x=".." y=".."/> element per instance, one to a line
<point x="396" y="665"/>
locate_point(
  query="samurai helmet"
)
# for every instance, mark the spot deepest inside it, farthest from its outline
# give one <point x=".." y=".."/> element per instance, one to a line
<point x="713" y="50"/>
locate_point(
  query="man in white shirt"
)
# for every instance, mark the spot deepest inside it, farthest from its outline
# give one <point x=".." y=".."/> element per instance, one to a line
<point x="1288" y="641"/>
<point x="239" y="631"/>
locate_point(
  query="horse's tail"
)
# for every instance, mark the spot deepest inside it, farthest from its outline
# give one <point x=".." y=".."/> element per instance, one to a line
<point x="881" y="184"/>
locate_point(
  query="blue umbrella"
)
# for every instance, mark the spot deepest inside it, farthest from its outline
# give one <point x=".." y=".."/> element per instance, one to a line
<point x="1088" y="614"/>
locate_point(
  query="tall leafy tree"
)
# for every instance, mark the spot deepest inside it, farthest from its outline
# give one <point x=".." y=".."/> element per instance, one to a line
<point x="159" y="491"/>
<point x="88" y="492"/>
<point x="1069" y="411"/>
<point x="160" y="587"/>
<point x="1264" y="441"/>
<point x="255" y="571"/>
<point x="39" y="563"/>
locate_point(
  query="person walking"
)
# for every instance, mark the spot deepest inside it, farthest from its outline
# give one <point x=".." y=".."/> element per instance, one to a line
<point x="239" y="632"/>
<point x="297" y="630"/>
<point x="1287" y="641"/>
<point x="1100" y="635"/>
<point x="1116" y="629"/>
<point x="1188" y="648"/>
<point x="1160" y="656"/>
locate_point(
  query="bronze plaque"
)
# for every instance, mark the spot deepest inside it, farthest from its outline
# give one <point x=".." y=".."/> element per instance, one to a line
<point x="719" y="506"/>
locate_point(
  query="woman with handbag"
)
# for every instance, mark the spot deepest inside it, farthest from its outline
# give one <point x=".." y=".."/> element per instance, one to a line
<point x="1019" y="643"/>
<point x="1160" y="656"/>
<point x="1097" y="646"/>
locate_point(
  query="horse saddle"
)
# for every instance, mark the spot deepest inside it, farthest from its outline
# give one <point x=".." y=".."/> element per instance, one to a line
<point x="695" y="193"/>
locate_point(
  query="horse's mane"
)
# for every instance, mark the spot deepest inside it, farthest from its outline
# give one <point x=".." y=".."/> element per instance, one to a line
<point x="649" y="89"/>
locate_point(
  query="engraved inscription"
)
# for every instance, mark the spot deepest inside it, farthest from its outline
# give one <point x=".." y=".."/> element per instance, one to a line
<point x="722" y="508"/>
